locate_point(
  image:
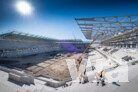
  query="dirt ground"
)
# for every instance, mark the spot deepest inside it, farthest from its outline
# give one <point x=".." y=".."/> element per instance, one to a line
<point x="54" y="66"/>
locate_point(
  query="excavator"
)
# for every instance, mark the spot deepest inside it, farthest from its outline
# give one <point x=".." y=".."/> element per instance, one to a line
<point x="79" y="60"/>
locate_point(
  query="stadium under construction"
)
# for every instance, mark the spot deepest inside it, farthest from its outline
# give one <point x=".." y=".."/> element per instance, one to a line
<point x="45" y="62"/>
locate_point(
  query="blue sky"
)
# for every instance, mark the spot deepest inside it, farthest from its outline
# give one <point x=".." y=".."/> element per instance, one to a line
<point x="55" y="18"/>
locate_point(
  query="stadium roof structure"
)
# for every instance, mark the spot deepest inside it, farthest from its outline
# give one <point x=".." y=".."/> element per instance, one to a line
<point x="26" y="35"/>
<point x="110" y="25"/>
<point x="13" y="33"/>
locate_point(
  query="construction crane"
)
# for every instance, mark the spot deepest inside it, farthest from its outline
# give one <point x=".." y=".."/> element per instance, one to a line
<point x="79" y="60"/>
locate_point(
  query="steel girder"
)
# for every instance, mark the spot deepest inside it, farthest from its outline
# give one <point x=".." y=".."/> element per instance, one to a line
<point x="110" y="25"/>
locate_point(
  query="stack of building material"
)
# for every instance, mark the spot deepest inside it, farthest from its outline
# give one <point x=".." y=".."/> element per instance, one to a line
<point x="106" y="49"/>
<point x="20" y="76"/>
<point x="114" y="50"/>
<point x="51" y="82"/>
<point x="127" y="58"/>
<point x="134" y="62"/>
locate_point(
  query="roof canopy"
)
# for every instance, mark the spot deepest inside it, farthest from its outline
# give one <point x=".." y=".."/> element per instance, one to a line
<point x="110" y="25"/>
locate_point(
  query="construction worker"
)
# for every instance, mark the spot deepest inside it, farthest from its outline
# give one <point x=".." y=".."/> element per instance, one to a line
<point x="80" y="77"/>
<point x="79" y="60"/>
<point x="100" y="77"/>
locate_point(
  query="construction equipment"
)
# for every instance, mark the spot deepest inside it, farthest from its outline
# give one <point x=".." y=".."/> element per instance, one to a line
<point x="80" y="58"/>
<point x="114" y="83"/>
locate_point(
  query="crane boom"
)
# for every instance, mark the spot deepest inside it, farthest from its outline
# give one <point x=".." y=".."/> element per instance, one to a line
<point x="80" y="58"/>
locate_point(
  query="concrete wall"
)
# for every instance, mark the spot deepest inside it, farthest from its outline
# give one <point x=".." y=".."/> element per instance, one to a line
<point x="20" y="76"/>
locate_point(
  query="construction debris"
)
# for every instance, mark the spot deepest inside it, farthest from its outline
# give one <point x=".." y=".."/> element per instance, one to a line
<point x="127" y="58"/>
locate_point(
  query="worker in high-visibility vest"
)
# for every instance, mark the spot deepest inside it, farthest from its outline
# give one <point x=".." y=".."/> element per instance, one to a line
<point x="100" y="77"/>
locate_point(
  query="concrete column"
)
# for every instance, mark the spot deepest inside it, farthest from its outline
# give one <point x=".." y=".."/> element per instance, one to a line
<point x="131" y="46"/>
<point x="126" y="46"/>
